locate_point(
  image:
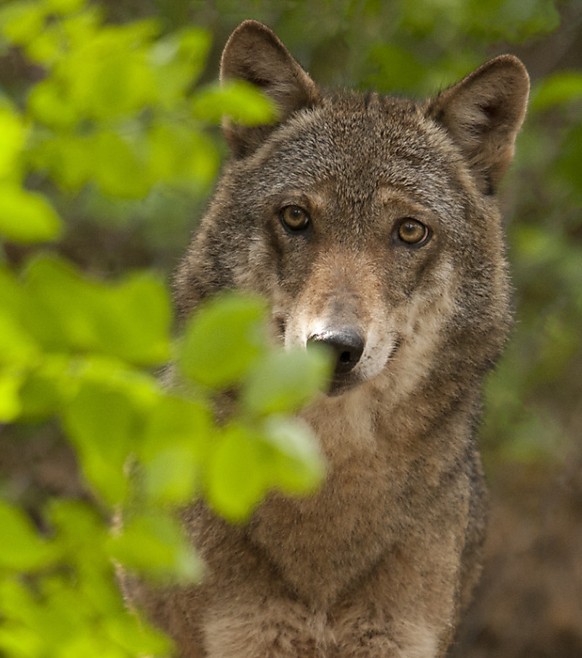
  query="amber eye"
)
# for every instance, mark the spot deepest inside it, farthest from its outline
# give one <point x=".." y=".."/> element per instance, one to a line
<point x="413" y="232"/>
<point x="294" y="218"/>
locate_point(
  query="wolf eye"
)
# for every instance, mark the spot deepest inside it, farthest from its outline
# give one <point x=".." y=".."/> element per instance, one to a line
<point x="294" y="218"/>
<point x="412" y="232"/>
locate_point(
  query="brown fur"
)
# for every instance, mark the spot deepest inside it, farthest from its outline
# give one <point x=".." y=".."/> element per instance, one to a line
<point x="382" y="559"/>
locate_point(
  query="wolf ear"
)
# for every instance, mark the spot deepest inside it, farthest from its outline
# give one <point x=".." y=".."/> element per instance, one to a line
<point x="254" y="53"/>
<point x="483" y="114"/>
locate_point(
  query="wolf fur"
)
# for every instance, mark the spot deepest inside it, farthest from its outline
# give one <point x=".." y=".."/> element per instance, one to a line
<point x="399" y="267"/>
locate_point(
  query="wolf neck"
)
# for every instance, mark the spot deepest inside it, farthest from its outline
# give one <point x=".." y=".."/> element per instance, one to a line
<point x="345" y="425"/>
<point x="385" y="465"/>
<point x="376" y="416"/>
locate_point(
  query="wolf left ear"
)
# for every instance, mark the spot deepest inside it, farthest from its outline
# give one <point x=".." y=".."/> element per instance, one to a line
<point x="254" y="53"/>
<point x="483" y="114"/>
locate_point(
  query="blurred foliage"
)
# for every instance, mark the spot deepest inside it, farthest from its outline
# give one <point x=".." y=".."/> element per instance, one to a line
<point x="113" y="113"/>
<point x="535" y="413"/>
<point x="105" y="152"/>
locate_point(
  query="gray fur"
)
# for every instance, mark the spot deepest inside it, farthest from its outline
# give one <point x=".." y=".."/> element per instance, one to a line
<point x="381" y="561"/>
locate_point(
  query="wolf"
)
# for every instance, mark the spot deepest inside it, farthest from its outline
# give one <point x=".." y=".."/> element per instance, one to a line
<point x="370" y="224"/>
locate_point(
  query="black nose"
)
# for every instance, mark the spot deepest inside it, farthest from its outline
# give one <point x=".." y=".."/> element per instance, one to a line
<point x="347" y="344"/>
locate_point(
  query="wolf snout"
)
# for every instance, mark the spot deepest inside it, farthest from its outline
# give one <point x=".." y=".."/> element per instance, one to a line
<point x="347" y="345"/>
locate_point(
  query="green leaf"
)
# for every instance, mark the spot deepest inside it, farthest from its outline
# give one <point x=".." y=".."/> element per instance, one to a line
<point x="66" y="303"/>
<point x="16" y="347"/>
<point x="178" y="60"/>
<point x="108" y="76"/>
<point x="174" y="449"/>
<point x="10" y="384"/>
<point x="223" y="340"/>
<point x="65" y="6"/>
<point x="22" y="22"/>
<point x="172" y="477"/>
<point x="129" y="319"/>
<point x="133" y="636"/>
<point x="27" y="216"/>
<point x="13" y="134"/>
<point x="286" y="381"/>
<point x="104" y="425"/>
<point x="245" y="463"/>
<point x="298" y="466"/>
<point x="181" y="155"/>
<point x="135" y="321"/>
<point x="81" y="533"/>
<point x="46" y="387"/>
<point x="558" y="89"/>
<point x="47" y="47"/>
<point x="238" y="100"/>
<point x="48" y="106"/>
<point x="236" y="477"/>
<point x="155" y="545"/>
<point x="22" y="548"/>
<point x="119" y="168"/>
<point x="12" y="296"/>
<point x="18" y="636"/>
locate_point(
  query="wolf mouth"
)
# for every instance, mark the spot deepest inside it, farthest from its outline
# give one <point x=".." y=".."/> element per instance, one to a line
<point x="352" y="354"/>
<point x="339" y="384"/>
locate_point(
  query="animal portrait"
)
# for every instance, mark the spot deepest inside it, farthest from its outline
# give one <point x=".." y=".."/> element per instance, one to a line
<point x="369" y="224"/>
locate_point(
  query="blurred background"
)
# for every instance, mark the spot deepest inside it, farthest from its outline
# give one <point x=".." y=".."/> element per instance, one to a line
<point x="529" y="603"/>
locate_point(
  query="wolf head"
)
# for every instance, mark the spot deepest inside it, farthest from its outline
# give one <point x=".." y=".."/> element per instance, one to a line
<point x="369" y="223"/>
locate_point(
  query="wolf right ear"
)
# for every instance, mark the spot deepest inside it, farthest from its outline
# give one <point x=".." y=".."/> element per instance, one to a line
<point x="483" y="114"/>
<point x="254" y="53"/>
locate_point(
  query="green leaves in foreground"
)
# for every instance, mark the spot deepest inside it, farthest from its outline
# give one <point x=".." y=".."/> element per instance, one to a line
<point x="22" y="548"/>
<point x="52" y="307"/>
<point x="114" y="108"/>
<point x="24" y="216"/>
<point x="285" y="381"/>
<point x="123" y="93"/>
<point x="246" y="463"/>
<point x="260" y="448"/>
<point x="73" y="607"/>
<point x="77" y="363"/>
<point x="27" y="217"/>
<point x="223" y="341"/>
<point x="559" y="89"/>
<point x="140" y="447"/>
<point x="70" y="347"/>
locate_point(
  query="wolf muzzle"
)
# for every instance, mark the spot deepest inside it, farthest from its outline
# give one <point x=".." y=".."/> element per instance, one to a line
<point x="347" y="346"/>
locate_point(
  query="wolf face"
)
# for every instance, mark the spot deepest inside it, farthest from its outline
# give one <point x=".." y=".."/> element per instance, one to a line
<point x="358" y="243"/>
<point x="369" y="224"/>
